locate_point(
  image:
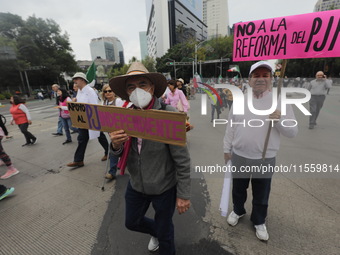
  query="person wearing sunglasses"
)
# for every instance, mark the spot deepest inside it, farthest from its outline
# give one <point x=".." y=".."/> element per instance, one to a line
<point x="109" y="98"/>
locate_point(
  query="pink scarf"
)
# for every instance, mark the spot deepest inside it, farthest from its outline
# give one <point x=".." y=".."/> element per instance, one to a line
<point x="127" y="145"/>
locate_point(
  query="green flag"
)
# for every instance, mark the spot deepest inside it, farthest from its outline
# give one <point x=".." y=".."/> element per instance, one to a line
<point x="91" y="74"/>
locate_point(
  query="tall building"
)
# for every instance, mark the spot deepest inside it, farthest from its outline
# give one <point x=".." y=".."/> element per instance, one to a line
<point x="216" y="17"/>
<point x="109" y="48"/>
<point x="143" y="44"/>
<point x="171" y="22"/>
<point x="325" y="5"/>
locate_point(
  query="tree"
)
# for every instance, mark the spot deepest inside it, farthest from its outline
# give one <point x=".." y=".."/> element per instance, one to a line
<point x="149" y="63"/>
<point x="37" y="42"/>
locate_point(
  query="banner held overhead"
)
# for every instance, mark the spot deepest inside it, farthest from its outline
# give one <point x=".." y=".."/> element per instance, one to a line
<point x="312" y="35"/>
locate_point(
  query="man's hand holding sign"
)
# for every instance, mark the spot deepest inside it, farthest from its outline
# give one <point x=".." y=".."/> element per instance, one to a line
<point x="151" y="142"/>
<point x="313" y="35"/>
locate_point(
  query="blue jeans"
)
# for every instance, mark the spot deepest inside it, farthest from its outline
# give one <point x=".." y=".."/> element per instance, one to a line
<point x="218" y="111"/>
<point x="260" y="183"/>
<point x="67" y="124"/>
<point x="161" y="226"/>
<point x="113" y="164"/>
<point x="60" y="125"/>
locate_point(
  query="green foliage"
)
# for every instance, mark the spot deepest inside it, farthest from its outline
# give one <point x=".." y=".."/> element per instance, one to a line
<point x="222" y="47"/>
<point x="2" y="97"/>
<point x="149" y="63"/>
<point x="118" y="70"/>
<point x="7" y="95"/>
<point x="37" y="42"/>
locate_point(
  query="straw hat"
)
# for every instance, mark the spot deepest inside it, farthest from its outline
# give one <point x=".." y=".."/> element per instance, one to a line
<point x="118" y="83"/>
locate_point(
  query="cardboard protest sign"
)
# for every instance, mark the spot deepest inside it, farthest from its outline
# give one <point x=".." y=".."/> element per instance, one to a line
<point x="312" y="35"/>
<point x="162" y="126"/>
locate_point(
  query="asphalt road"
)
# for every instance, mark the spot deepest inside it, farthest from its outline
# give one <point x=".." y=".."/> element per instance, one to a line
<point x="56" y="210"/>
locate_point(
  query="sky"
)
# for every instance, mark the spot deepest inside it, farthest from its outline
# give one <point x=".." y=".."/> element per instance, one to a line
<point x="124" y="19"/>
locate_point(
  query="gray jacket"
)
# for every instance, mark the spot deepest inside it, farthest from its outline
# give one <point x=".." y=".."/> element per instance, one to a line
<point x="159" y="166"/>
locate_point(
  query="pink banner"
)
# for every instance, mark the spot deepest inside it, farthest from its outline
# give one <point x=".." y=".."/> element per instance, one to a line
<point x="312" y="35"/>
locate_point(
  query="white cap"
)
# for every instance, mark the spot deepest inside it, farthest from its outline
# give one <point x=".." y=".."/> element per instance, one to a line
<point x="259" y="64"/>
<point x="181" y="80"/>
<point x="80" y="75"/>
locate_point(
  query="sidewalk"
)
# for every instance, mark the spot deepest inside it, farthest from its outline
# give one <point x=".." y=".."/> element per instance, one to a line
<point x="54" y="210"/>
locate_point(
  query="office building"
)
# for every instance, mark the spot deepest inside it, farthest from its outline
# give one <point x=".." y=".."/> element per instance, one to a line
<point x="325" y="5"/>
<point x="143" y="42"/>
<point x="216" y="17"/>
<point x="171" y="22"/>
<point x="109" y="48"/>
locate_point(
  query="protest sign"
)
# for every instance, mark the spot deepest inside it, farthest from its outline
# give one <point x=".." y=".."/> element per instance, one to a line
<point x="312" y="35"/>
<point x="162" y="126"/>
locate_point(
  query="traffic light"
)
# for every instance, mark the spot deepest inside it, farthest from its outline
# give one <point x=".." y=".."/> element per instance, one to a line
<point x="169" y="63"/>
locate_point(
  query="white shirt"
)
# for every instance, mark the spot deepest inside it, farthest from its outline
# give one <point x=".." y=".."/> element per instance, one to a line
<point x="88" y="96"/>
<point x="247" y="141"/>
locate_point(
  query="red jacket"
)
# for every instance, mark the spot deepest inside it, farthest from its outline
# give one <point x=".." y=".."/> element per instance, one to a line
<point x="19" y="116"/>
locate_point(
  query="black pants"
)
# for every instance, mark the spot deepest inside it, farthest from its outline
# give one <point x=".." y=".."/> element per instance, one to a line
<point x="260" y="183"/>
<point x="2" y="189"/>
<point x="315" y="105"/>
<point x="28" y="136"/>
<point x="161" y="226"/>
<point x="83" y="139"/>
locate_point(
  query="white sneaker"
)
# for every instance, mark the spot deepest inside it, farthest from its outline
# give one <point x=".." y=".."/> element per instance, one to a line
<point x="261" y="232"/>
<point x="153" y="244"/>
<point x="233" y="218"/>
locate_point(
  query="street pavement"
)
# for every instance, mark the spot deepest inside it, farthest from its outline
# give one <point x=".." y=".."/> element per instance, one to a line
<point x="58" y="210"/>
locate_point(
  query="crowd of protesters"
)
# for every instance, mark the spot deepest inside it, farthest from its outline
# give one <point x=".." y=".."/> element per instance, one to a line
<point x="166" y="168"/>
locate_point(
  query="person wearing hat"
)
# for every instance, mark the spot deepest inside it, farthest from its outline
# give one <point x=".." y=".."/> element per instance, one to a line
<point x="159" y="172"/>
<point x="86" y="95"/>
<point x="181" y="86"/>
<point x="243" y="145"/>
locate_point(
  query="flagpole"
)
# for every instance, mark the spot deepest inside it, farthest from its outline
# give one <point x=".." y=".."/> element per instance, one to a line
<point x="282" y="74"/>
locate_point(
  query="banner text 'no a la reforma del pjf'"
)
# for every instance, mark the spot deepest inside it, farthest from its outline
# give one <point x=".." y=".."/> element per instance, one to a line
<point x="312" y="35"/>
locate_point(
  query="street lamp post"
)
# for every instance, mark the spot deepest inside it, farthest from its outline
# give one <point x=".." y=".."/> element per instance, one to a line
<point x="197" y="46"/>
<point x="196" y="58"/>
<point x="193" y="66"/>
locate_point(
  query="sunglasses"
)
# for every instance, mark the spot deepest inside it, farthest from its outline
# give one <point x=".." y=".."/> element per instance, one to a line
<point x="107" y="91"/>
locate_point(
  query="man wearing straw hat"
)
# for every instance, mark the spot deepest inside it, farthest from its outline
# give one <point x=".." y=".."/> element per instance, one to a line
<point x="244" y="145"/>
<point x="159" y="173"/>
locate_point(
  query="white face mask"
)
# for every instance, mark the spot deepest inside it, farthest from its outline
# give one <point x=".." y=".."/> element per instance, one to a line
<point x="140" y="97"/>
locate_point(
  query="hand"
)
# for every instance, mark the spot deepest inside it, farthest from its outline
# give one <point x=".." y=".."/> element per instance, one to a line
<point x="227" y="157"/>
<point x="276" y="115"/>
<point x="118" y="138"/>
<point x="182" y="205"/>
<point x="29" y="122"/>
<point x="74" y="99"/>
<point x="12" y="122"/>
